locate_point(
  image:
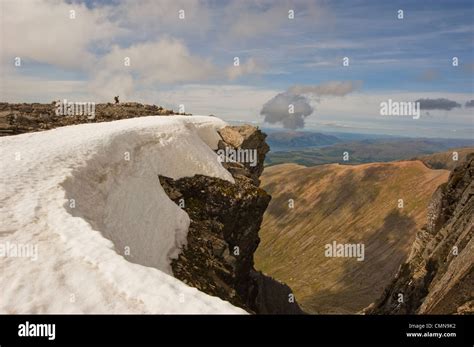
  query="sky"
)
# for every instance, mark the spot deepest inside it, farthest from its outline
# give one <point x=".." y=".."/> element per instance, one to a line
<point x="290" y="52"/>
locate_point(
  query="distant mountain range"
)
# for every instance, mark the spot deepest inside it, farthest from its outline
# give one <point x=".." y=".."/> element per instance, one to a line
<point x="312" y="149"/>
<point x="284" y="140"/>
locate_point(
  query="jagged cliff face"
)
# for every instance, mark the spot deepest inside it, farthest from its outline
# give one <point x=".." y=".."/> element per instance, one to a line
<point x="438" y="277"/>
<point x="223" y="234"/>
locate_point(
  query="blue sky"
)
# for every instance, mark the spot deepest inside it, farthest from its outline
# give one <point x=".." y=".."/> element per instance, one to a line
<point x="190" y="61"/>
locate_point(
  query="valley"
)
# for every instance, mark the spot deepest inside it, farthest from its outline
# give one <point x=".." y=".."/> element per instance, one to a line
<point x="378" y="205"/>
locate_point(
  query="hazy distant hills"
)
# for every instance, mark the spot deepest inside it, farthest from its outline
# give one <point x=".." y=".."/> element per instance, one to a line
<point x="346" y="204"/>
<point x="284" y="140"/>
<point x="361" y="151"/>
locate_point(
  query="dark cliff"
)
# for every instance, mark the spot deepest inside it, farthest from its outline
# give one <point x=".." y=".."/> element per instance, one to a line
<point x="438" y="277"/>
<point x="223" y="234"/>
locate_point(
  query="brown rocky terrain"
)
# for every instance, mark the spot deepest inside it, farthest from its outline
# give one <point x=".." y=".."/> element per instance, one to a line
<point x="23" y="118"/>
<point x="224" y="232"/>
<point x="438" y="276"/>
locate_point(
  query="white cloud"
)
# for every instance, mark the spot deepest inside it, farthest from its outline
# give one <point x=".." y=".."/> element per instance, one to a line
<point x="29" y="89"/>
<point x="259" y="17"/>
<point x="166" y="61"/>
<point x="291" y="108"/>
<point x="93" y="43"/>
<point x="43" y="31"/>
<point x="336" y="88"/>
<point x="366" y="105"/>
<point x="248" y="68"/>
<point x="106" y="85"/>
<point x="231" y="102"/>
<point x="158" y="17"/>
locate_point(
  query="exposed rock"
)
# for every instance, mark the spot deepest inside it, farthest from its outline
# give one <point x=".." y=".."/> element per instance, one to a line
<point x="223" y="235"/>
<point x="23" y="118"/>
<point x="231" y="137"/>
<point x="273" y="297"/>
<point x="237" y="169"/>
<point x="222" y="238"/>
<point x="438" y="277"/>
<point x="249" y="138"/>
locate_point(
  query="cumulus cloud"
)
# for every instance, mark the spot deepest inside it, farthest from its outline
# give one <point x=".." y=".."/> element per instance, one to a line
<point x="247" y="68"/>
<point x="167" y="61"/>
<point x="151" y="17"/>
<point x="265" y="17"/>
<point x="335" y="88"/>
<point x="437" y="104"/>
<point x="106" y="84"/>
<point x="277" y="110"/>
<point x="228" y="101"/>
<point x="291" y="107"/>
<point x="43" y="31"/>
<point x="95" y="40"/>
<point x="164" y="61"/>
<point x="469" y="103"/>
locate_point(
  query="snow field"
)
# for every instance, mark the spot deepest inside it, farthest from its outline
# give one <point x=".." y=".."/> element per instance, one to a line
<point x="88" y="196"/>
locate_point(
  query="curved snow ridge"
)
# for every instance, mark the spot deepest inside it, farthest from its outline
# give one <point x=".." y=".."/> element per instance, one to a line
<point x="87" y="197"/>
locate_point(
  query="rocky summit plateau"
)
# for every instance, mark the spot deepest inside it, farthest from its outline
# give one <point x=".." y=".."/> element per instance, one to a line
<point x="23" y="118"/>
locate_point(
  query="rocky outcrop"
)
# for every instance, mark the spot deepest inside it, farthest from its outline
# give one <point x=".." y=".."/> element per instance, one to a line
<point x="23" y="118"/>
<point x="223" y="234"/>
<point x="248" y="138"/>
<point x="438" y="277"/>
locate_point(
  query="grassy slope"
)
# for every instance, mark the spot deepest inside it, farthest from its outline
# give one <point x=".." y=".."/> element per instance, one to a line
<point x="347" y="204"/>
<point x="444" y="160"/>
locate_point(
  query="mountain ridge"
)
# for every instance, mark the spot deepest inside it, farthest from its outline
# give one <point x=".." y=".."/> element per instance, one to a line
<point x="350" y="204"/>
<point x="438" y="276"/>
